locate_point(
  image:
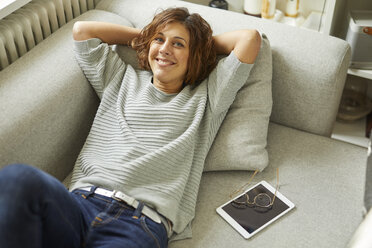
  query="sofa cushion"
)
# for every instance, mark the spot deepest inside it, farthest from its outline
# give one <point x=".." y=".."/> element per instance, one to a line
<point x="241" y="141"/>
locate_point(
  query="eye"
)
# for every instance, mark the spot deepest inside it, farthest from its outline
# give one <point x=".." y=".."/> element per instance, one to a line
<point x="159" y="39"/>
<point x="178" y="44"/>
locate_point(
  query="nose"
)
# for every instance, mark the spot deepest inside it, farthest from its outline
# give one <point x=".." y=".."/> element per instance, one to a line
<point x="165" y="48"/>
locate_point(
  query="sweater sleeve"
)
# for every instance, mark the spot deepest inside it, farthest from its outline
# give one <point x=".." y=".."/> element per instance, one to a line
<point x="225" y="81"/>
<point x="100" y="64"/>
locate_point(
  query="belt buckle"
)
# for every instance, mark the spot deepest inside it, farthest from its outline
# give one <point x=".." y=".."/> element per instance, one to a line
<point x="120" y="196"/>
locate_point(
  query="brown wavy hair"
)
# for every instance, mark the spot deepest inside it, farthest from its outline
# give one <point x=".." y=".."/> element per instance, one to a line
<point x="202" y="57"/>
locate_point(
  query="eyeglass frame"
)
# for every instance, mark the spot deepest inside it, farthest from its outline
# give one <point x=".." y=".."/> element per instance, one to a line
<point x="246" y="203"/>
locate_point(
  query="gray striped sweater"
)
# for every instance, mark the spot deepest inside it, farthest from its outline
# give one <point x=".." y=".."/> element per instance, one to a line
<point x="149" y="144"/>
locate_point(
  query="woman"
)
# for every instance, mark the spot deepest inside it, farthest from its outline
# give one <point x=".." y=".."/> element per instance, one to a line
<point x="136" y="179"/>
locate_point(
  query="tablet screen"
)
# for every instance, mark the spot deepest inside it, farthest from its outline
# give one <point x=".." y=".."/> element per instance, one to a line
<point x="252" y="218"/>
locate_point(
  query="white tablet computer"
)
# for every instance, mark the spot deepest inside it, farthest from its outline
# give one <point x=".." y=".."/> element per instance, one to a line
<point x="254" y="209"/>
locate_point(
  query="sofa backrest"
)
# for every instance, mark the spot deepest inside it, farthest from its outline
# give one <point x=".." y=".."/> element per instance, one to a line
<point x="309" y="69"/>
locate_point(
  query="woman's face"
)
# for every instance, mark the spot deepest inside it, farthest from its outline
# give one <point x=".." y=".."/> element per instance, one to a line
<point x="169" y="53"/>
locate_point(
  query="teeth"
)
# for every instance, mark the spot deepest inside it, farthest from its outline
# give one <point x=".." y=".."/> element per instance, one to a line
<point x="164" y="62"/>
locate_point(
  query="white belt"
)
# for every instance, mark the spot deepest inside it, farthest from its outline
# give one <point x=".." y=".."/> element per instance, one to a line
<point x="120" y="196"/>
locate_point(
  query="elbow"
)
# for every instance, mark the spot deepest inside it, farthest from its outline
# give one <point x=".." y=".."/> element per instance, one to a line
<point x="250" y="44"/>
<point x="79" y="32"/>
<point x="255" y="39"/>
<point x="252" y="37"/>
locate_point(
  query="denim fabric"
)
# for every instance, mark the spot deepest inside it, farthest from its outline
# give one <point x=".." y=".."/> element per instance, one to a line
<point x="36" y="210"/>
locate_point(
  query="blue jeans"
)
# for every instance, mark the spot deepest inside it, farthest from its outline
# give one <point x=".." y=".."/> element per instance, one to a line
<point x="36" y="210"/>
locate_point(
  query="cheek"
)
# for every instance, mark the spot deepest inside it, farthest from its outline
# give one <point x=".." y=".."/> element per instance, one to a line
<point x="152" y="50"/>
<point x="150" y="56"/>
<point x="186" y="62"/>
<point x="184" y="58"/>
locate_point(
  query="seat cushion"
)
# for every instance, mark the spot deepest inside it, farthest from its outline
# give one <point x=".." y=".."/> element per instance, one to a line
<point x="321" y="176"/>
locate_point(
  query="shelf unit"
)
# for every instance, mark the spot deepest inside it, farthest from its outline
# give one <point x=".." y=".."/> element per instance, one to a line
<point x="353" y="132"/>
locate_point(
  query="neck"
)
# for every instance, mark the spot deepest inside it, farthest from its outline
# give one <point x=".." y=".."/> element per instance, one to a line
<point x="169" y="88"/>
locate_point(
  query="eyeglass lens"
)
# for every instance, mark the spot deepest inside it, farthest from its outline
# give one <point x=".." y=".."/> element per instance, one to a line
<point x="263" y="200"/>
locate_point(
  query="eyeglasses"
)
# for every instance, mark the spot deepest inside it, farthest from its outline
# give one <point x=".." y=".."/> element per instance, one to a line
<point x="261" y="202"/>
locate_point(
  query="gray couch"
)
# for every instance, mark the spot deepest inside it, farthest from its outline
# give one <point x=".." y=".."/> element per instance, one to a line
<point x="47" y="107"/>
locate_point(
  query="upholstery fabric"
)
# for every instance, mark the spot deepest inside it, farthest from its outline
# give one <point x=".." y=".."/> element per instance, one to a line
<point x="368" y="186"/>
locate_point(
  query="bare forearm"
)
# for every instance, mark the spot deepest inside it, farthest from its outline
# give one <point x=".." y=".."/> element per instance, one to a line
<point x="108" y="32"/>
<point x="244" y="43"/>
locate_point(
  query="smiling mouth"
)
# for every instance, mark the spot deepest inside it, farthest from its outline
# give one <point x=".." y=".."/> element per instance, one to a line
<point x="164" y="62"/>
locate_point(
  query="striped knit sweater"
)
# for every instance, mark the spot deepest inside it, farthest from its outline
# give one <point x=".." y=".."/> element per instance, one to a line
<point x="149" y="144"/>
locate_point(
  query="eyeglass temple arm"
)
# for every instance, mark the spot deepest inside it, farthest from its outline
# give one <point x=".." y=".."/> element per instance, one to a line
<point x="277" y="185"/>
<point x="243" y="186"/>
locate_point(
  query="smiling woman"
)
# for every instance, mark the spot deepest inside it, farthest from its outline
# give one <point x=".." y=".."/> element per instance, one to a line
<point x="135" y="181"/>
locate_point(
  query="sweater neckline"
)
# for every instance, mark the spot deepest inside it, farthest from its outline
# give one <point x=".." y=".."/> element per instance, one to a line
<point x="162" y="92"/>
